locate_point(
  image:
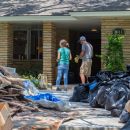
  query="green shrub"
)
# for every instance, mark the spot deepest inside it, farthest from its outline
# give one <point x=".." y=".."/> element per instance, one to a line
<point x="31" y="78"/>
<point x="113" y="58"/>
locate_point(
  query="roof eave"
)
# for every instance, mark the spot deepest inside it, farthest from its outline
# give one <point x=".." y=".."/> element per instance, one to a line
<point x="35" y="18"/>
<point x="101" y="14"/>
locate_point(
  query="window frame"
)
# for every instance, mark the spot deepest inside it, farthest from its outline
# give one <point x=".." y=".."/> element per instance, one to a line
<point x="29" y="29"/>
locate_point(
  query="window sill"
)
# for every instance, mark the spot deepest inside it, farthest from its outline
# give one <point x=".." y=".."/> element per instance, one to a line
<point x="27" y="60"/>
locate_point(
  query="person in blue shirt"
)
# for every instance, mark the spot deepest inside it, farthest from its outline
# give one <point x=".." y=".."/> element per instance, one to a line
<point x="63" y="59"/>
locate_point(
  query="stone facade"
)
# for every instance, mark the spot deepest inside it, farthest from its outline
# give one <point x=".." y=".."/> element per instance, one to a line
<point x="49" y="51"/>
<point x="107" y="25"/>
<point x="6" y="44"/>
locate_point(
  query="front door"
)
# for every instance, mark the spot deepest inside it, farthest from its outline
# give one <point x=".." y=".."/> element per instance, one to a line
<point x="95" y="39"/>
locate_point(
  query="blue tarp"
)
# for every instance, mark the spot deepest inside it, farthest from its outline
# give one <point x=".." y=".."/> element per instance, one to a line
<point x="46" y="96"/>
<point x="93" y="85"/>
<point x="46" y="100"/>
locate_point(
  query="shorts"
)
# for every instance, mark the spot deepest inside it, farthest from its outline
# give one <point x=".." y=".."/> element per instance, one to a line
<point x="86" y="68"/>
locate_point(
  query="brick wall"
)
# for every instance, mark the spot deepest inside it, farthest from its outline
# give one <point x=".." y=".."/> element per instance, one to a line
<point x="49" y="51"/>
<point x="107" y="25"/>
<point x="6" y="44"/>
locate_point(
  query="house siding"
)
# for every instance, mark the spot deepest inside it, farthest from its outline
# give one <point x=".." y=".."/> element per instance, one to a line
<point x="107" y="25"/>
<point x="6" y="44"/>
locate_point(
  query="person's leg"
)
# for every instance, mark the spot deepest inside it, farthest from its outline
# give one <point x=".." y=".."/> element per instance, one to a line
<point x="65" y="75"/>
<point x="82" y="76"/>
<point x="59" y="76"/>
<point x="88" y="71"/>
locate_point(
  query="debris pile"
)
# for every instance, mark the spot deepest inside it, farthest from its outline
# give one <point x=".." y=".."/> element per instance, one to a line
<point x="28" y="103"/>
<point x="22" y="95"/>
<point x="11" y="91"/>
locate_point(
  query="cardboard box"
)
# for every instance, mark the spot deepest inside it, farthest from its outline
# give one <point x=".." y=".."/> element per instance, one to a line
<point x="4" y="113"/>
<point x="8" y="125"/>
<point x="127" y="106"/>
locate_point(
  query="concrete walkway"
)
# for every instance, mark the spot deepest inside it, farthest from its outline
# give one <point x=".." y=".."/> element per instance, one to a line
<point x="85" y="118"/>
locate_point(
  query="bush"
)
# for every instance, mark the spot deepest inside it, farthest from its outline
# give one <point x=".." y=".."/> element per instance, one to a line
<point x="113" y="58"/>
<point x="32" y="78"/>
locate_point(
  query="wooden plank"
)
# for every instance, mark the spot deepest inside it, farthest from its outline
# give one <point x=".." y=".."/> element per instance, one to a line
<point x="4" y="113"/>
<point x="8" y="125"/>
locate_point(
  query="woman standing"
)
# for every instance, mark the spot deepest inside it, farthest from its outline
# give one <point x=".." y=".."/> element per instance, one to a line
<point x="63" y="58"/>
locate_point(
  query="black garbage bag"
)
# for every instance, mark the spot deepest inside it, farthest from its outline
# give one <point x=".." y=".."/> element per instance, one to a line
<point x="111" y="99"/>
<point x="128" y="95"/>
<point x="92" y="99"/>
<point x="126" y="126"/>
<point x="104" y="75"/>
<point x="120" y="104"/>
<point x="127" y="79"/>
<point x="117" y="97"/>
<point x="116" y="112"/>
<point x="97" y="97"/>
<point x="114" y="102"/>
<point x="80" y="93"/>
<point x="101" y="96"/>
<point x="125" y="116"/>
<point x="120" y="74"/>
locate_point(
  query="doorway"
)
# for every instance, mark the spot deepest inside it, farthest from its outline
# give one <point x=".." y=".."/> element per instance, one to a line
<point x="94" y="37"/>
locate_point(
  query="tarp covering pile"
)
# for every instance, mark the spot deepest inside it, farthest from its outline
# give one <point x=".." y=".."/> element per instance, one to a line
<point x="46" y="100"/>
<point x="108" y="90"/>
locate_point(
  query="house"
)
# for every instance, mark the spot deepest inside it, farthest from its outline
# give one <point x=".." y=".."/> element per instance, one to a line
<point x="30" y="31"/>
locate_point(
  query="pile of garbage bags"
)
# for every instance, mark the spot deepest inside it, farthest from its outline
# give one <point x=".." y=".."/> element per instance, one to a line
<point x="46" y="100"/>
<point x="108" y="90"/>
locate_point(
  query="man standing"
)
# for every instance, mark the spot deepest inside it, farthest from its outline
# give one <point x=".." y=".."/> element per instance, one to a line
<point x="86" y="55"/>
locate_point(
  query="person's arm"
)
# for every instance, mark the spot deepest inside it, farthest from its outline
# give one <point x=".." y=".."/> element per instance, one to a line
<point x="58" y="56"/>
<point x="70" y="56"/>
<point x="82" y="53"/>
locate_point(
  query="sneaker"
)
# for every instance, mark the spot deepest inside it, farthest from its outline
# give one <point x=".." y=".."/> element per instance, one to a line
<point x="58" y="89"/>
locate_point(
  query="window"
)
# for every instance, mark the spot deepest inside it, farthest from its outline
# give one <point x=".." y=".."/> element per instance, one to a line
<point x="27" y="44"/>
<point x="20" y="45"/>
<point x="36" y="44"/>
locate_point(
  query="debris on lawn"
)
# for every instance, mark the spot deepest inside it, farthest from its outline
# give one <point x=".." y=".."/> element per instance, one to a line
<point x="22" y="95"/>
<point x="27" y="103"/>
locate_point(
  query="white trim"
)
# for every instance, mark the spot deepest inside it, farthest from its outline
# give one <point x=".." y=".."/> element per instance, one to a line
<point x="35" y="18"/>
<point x="101" y="14"/>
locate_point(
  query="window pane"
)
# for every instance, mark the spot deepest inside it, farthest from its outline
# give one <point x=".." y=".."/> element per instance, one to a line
<point x="20" y="45"/>
<point x="36" y="44"/>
